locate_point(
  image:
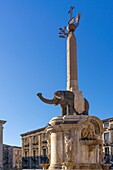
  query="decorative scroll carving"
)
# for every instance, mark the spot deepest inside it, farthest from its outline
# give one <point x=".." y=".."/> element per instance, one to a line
<point x="96" y="125"/>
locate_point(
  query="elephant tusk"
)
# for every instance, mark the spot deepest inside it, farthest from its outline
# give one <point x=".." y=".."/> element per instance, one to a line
<point x="58" y="97"/>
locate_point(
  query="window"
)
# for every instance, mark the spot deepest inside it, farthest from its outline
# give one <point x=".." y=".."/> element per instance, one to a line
<point x="26" y="140"/>
<point x="25" y="153"/>
<point x="106" y="151"/>
<point x="37" y="151"/>
<point x="44" y="135"/>
<point x="34" y="153"/>
<point x="44" y="152"/>
<point x="106" y="137"/>
<point x="17" y="152"/>
<point x="111" y="126"/>
<point x="34" y="137"/>
<point x="106" y="124"/>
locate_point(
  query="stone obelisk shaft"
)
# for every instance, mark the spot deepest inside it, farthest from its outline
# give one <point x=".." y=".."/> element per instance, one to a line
<point x="72" y="78"/>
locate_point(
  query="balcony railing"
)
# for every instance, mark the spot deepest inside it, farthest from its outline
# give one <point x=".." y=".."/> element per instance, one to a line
<point x="26" y="144"/>
<point x="35" y="142"/>
<point x="44" y="141"/>
<point x="107" y="141"/>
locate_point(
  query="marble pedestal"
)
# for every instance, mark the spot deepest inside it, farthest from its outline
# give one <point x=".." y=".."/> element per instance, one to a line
<point x="75" y="142"/>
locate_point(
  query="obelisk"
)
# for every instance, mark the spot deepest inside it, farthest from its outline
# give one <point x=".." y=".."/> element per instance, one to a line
<point x="72" y="76"/>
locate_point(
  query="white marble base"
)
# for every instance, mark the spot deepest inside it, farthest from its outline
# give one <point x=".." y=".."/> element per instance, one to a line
<point x="75" y="142"/>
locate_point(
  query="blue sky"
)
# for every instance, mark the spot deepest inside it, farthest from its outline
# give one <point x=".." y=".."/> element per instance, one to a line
<point x="33" y="59"/>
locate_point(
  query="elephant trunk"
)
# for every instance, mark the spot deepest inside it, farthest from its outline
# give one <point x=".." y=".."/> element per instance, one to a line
<point x="48" y="101"/>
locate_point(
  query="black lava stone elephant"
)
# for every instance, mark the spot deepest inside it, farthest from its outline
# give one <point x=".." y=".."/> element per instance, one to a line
<point x="64" y="98"/>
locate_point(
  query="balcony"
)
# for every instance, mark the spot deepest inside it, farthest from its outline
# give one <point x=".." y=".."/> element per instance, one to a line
<point x="44" y="142"/>
<point x="26" y="144"/>
<point x="34" y="158"/>
<point x="25" y="159"/>
<point x="35" y="142"/>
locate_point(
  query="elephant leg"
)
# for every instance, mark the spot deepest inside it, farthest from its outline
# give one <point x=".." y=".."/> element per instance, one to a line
<point x="70" y="109"/>
<point x="64" y="110"/>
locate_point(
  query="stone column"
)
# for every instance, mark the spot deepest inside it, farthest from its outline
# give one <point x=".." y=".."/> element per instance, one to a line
<point x="56" y="140"/>
<point x="1" y="143"/>
<point x="72" y="78"/>
<point x="56" y="150"/>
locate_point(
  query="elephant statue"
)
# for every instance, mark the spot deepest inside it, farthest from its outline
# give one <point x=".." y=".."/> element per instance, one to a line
<point x="64" y="98"/>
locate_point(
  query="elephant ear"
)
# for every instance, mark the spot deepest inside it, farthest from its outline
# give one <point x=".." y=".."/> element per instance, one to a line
<point x="69" y="94"/>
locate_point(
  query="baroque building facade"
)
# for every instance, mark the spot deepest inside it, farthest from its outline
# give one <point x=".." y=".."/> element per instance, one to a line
<point x="34" y="149"/>
<point x="12" y="157"/>
<point x="108" y="138"/>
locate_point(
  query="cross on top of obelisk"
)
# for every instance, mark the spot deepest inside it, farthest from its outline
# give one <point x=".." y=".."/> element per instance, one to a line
<point x="70" y="11"/>
<point x="71" y="24"/>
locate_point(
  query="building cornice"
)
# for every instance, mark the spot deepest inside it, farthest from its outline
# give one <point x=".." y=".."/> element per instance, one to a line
<point x="33" y="131"/>
<point x="107" y="120"/>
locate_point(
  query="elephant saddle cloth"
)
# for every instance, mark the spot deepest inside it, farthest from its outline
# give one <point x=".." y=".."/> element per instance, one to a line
<point x="79" y="102"/>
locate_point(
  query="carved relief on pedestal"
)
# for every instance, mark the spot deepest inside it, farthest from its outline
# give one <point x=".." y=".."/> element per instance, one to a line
<point x="91" y="131"/>
<point x="68" y="147"/>
<point x="88" y="132"/>
<point x="88" y="137"/>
